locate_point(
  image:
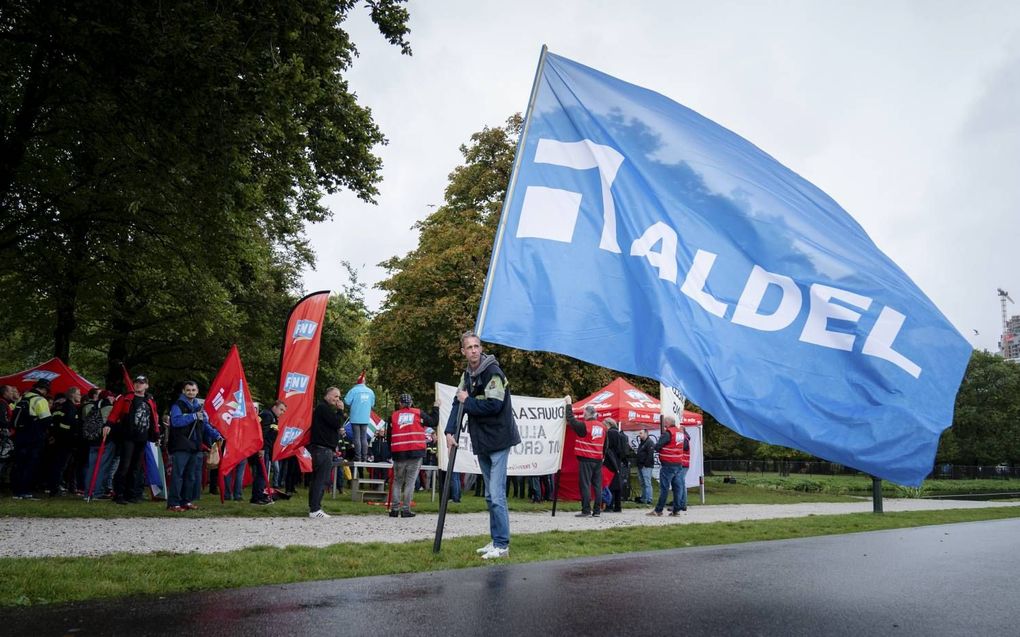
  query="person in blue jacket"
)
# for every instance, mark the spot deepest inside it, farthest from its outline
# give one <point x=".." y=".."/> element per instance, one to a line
<point x="360" y="399"/>
<point x="189" y="428"/>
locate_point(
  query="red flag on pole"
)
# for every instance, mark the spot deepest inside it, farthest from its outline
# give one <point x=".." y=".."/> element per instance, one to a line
<point x="299" y="362"/>
<point x="232" y="411"/>
<point x="129" y="385"/>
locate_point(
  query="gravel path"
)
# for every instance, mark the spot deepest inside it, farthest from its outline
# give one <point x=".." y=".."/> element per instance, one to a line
<point x="41" y="537"/>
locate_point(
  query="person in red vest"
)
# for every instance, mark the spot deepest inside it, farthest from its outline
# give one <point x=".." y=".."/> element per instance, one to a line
<point x="590" y="449"/>
<point x="674" y="449"/>
<point x="407" y="446"/>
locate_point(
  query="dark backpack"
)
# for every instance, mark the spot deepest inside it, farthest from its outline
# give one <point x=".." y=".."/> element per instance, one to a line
<point x="92" y="425"/>
<point x="21" y="416"/>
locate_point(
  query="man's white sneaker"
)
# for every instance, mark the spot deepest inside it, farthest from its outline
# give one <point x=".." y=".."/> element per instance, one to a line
<point x="495" y="553"/>
<point x="485" y="549"/>
<point x="319" y="514"/>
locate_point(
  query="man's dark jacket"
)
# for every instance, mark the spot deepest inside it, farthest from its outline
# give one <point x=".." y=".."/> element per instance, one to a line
<point x="491" y="422"/>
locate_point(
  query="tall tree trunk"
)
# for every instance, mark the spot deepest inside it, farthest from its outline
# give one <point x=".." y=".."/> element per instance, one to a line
<point x="117" y="355"/>
<point x="66" y="324"/>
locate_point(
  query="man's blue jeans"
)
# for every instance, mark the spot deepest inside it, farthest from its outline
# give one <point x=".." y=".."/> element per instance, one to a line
<point x="182" y="477"/>
<point x="672" y="476"/>
<point x="493" y="467"/>
<point x="105" y="469"/>
<point x="234" y="482"/>
<point x="645" y="477"/>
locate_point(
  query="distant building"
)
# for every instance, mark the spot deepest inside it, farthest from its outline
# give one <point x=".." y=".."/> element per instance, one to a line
<point x="1009" y="346"/>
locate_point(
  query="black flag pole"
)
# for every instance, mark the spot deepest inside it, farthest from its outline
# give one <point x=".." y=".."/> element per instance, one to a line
<point x="445" y="496"/>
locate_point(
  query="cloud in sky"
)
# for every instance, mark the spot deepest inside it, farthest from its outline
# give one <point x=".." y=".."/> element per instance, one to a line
<point x="905" y="113"/>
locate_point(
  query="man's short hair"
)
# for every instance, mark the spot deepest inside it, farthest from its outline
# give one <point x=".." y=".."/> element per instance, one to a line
<point x="469" y="334"/>
<point x="668" y="420"/>
<point x="331" y="389"/>
<point x="589" y="412"/>
<point x="42" y="383"/>
<point x="280" y="403"/>
<point x="189" y="382"/>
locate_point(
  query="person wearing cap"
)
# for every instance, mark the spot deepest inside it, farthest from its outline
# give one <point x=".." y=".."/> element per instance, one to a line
<point x="407" y="447"/>
<point x="31" y="419"/>
<point x="134" y="421"/>
<point x="360" y="399"/>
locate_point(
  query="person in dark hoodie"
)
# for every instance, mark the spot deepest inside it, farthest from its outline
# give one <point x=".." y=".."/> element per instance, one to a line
<point x="189" y="428"/>
<point x="485" y="393"/>
<point x="323" y="440"/>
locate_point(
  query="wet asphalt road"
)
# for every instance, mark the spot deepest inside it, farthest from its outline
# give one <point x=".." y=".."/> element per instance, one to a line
<point x="961" y="579"/>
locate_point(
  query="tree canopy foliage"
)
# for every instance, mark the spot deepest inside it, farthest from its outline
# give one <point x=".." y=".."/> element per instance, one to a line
<point x="158" y="165"/>
<point x="986" y="424"/>
<point x="433" y="293"/>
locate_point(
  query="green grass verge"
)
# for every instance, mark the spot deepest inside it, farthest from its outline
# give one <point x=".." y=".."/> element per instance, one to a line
<point x="210" y="506"/>
<point x="27" y="581"/>
<point x="860" y="485"/>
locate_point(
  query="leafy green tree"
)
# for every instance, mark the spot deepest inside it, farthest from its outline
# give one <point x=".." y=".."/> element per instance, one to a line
<point x="158" y="164"/>
<point x="433" y="293"/>
<point x="986" y="424"/>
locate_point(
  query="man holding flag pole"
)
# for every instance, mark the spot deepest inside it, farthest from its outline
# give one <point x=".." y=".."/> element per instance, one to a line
<point x="484" y="396"/>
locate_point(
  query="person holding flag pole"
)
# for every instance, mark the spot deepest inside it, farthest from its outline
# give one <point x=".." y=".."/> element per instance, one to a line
<point x="484" y="396"/>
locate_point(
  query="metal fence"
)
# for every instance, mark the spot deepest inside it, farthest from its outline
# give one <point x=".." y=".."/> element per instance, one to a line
<point x="821" y="468"/>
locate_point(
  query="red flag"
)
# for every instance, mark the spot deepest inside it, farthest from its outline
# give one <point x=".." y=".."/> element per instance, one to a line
<point x="232" y="411"/>
<point x="129" y="385"/>
<point x="304" y="459"/>
<point x="299" y="362"/>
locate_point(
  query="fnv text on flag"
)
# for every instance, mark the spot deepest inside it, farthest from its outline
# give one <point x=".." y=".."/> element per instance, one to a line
<point x="231" y="411"/>
<point x="641" y="236"/>
<point x="299" y="363"/>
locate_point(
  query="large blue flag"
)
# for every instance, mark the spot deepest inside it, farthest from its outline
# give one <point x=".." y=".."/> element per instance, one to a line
<point x="641" y="236"/>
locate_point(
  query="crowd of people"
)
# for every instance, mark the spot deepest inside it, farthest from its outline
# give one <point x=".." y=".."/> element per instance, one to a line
<point x="93" y="446"/>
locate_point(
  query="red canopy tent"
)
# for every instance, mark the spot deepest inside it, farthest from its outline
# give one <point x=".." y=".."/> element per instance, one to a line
<point x="627" y="405"/>
<point x="61" y="378"/>
<point x="624" y="403"/>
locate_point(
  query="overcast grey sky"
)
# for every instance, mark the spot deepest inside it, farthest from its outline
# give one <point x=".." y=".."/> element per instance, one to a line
<point x="906" y="113"/>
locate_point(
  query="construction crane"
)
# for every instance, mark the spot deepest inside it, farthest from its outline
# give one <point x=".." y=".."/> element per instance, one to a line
<point x="1003" y="297"/>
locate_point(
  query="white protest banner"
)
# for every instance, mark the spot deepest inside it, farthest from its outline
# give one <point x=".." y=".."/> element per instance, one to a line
<point x="541" y="421"/>
<point x="672" y="401"/>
